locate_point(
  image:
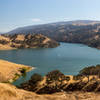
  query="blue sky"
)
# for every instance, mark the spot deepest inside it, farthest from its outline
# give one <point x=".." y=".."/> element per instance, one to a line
<point x="17" y="13"/>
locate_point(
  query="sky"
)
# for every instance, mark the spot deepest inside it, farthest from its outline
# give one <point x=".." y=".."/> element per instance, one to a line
<point x="19" y="13"/>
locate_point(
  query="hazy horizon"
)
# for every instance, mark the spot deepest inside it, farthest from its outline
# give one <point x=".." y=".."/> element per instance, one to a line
<point x="19" y="13"/>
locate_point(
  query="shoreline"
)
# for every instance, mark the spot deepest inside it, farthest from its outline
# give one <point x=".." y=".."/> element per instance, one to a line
<point x="4" y="48"/>
<point x="32" y="68"/>
<point x="10" y="72"/>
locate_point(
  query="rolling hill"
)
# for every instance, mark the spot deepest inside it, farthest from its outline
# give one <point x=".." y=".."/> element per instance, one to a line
<point x="79" y="31"/>
<point x="43" y="27"/>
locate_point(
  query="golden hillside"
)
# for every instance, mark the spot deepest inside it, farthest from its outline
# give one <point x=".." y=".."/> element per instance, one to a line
<point x="9" y="92"/>
<point x="26" y="41"/>
<point x="10" y="71"/>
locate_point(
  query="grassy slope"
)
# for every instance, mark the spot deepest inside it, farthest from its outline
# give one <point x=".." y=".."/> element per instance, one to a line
<point x="10" y="71"/>
<point x="9" y="92"/>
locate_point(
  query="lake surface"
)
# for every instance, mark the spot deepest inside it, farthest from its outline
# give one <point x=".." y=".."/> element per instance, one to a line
<point x="68" y="58"/>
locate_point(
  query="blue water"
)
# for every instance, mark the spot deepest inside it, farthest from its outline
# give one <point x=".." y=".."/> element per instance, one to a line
<point x="68" y="58"/>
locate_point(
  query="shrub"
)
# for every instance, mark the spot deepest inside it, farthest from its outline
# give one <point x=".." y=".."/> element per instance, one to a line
<point x="55" y="75"/>
<point x="77" y="77"/>
<point x="23" y="70"/>
<point x="91" y="70"/>
<point x="67" y="78"/>
<point x="35" y="78"/>
<point x="16" y="76"/>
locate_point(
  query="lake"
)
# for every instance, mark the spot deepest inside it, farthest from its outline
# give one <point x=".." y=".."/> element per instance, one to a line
<point x="69" y="58"/>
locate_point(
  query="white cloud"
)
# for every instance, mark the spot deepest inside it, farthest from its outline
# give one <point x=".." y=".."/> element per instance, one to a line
<point x="36" y="20"/>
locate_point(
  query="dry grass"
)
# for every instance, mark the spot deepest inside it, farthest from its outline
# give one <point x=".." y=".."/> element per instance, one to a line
<point x="9" y="69"/>
<point x="20" y="37"/>
<point x="9" y="92"/>
<point x="46" y="40"/>
<point x="4" y="38"/>
<point x="6" y="47"/>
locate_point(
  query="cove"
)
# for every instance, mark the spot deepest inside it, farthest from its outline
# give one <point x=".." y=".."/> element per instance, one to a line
<point x="69" y="58"/>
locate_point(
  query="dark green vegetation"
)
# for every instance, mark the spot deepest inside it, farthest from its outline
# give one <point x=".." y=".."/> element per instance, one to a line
<point x="56" y="81"/>
<point x="91" y="70"/>
<point x="36" y="77"/>
<point x="88" y="71"/>
<point x="51" y="83"/>
<point x="85" y="32"/>
<point x="55" y="75"/>
<point x="78" y="77"/>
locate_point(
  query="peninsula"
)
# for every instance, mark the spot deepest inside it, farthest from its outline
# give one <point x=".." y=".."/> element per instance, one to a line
<point x="21" y="41"/>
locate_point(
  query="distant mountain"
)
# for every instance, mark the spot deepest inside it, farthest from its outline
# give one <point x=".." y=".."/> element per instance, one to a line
<point x="46" y="27"/>
<point x="80" y="31"/>
<point x="1" y="32"/>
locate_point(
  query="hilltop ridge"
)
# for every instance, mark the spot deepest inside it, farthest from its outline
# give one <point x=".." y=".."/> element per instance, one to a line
<point x="80" y="31"/>
<point x="32" y="28"/>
